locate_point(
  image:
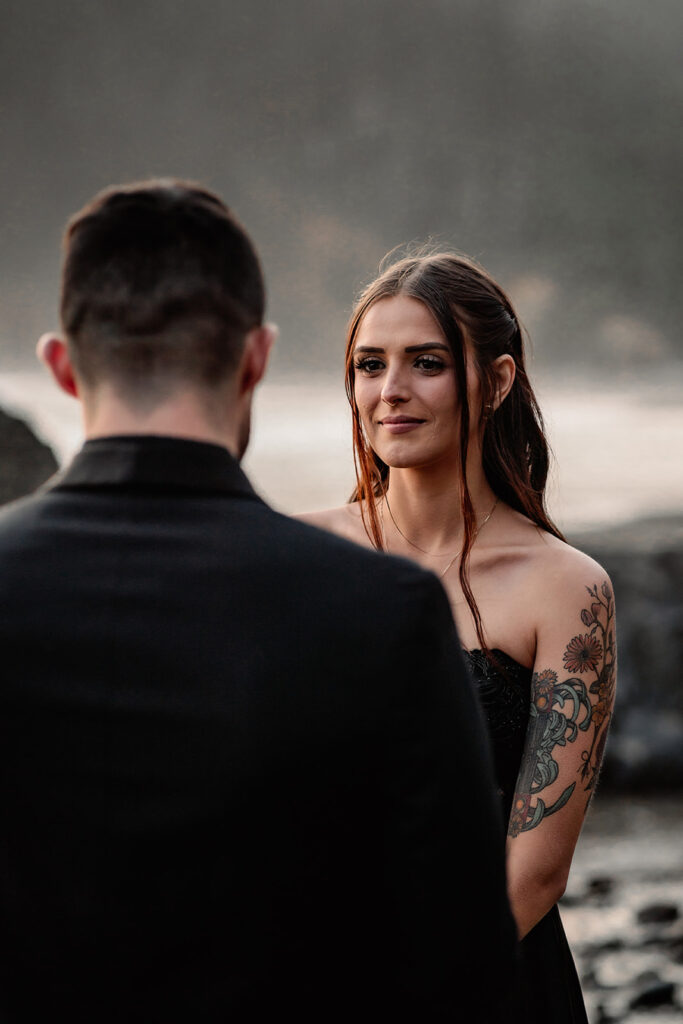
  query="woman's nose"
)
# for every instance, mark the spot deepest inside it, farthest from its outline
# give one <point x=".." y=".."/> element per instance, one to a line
<point x="394" y="389"/>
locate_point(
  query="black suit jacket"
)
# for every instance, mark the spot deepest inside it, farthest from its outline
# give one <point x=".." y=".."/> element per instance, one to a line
<point x="243" y="773"/>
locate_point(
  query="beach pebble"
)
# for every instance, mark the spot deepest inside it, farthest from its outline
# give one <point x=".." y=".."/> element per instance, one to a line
<point x="656" y="993"/>
<point x="589" y="979"/>
<point x="658" y="913"/>
<point x="675" y="950"/>
<point x="599" y="886"/>
<point x="608" y="946"/>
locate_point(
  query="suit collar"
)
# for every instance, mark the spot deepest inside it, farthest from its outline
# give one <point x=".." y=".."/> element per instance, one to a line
<point x="158" y="462"/>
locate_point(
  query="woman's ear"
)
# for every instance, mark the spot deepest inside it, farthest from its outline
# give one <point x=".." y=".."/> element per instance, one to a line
<point x="504" y="371"/>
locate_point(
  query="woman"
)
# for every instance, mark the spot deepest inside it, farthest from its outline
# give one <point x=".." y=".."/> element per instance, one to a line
<point x="436" y="380"/>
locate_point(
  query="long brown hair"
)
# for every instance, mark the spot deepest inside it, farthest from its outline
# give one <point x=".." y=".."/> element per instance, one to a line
<point x="465" y="301"/>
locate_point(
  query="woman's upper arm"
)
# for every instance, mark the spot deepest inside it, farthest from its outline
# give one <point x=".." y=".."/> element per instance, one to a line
<point x="572" y="696"/>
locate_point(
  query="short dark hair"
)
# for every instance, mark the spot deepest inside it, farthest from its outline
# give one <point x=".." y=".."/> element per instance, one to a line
<point x="160" y="284"/>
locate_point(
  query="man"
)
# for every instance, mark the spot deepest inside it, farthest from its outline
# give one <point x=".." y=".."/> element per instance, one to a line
<point x="243" y="773"/>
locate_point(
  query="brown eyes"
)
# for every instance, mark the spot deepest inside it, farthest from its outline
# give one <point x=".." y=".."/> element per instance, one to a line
<point x="368" y="365"/>
<point x="430" y="363"/>
<point x="371" y="365"/>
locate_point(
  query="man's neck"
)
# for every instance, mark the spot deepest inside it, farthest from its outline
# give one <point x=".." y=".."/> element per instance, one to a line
<point x="183" y="415"/>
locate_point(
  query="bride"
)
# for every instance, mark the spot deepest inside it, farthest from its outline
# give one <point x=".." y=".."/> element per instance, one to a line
<point x="451" y="463"/>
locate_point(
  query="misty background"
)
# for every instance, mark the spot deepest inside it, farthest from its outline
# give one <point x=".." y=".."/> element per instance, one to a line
<point x="542" y="137"/>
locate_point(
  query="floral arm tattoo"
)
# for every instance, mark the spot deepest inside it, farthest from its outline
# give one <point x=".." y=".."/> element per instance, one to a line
<point x="563" y="712"/>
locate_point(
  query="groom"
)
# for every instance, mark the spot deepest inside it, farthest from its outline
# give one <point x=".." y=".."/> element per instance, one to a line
<point x="244" y="776"/>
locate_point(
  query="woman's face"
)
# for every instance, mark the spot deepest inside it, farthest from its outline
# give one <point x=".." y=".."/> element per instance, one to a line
<point x="405" y="385"/>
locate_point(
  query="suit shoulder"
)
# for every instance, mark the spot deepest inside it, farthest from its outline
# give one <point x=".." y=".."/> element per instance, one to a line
<point x="17" y="515"/>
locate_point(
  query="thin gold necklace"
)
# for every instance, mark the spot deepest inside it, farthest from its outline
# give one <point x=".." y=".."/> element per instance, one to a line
<point x="482" y="524"/>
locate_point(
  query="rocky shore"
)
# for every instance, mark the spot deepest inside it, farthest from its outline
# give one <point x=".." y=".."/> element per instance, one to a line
<point x="623" y="910"/>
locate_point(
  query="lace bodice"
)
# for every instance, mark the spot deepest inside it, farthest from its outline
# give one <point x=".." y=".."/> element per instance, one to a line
<point x="504" y="692"/>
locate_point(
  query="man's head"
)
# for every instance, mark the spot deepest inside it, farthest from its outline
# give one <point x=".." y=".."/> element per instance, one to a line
<point x="162" y="296"/>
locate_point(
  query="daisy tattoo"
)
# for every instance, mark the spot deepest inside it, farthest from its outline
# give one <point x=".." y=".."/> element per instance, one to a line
<point x="561" y="711"/>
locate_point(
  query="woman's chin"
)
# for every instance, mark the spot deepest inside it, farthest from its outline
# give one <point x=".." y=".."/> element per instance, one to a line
<point x="407" y="460"/>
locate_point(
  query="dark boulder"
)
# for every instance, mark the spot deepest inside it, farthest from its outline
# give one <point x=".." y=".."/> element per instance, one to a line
<point x="645" y="562"/>
<point x="25" y="462"/>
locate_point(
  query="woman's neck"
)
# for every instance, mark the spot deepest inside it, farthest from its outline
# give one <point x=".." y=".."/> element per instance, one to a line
<point x="423" y="509"/>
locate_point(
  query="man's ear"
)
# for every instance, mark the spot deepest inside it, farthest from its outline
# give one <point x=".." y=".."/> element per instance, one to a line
<point x="504" y="367"/>
<point x="52" y="351"/>
<point x="257" y="345"/>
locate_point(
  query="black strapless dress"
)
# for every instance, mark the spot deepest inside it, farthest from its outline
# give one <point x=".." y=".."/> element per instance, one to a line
<point x="549" y="991"/>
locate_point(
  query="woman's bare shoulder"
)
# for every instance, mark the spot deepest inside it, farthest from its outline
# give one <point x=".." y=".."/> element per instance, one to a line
<point x="555" y="585"/>
<point x="563" y="575"/>
<point x="345" y="521"/>
<point x="564" y="562"/>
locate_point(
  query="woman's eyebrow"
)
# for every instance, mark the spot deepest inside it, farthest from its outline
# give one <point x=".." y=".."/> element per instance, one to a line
<point x="428" y="346"/>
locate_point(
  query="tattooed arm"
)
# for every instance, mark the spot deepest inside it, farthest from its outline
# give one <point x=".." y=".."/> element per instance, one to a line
<point x="572" y="696"/>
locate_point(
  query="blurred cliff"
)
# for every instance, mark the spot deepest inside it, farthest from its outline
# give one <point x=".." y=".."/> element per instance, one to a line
<point x="542" y="138"/>
<point x="25" y="461"/>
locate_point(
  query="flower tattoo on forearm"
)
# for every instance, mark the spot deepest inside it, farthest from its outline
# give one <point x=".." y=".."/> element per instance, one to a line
<point x="562" y="711"/>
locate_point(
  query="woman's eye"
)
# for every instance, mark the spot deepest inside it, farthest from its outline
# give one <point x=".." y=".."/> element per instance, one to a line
<point x="430" y="363"/>
<point x="368" y="365"/>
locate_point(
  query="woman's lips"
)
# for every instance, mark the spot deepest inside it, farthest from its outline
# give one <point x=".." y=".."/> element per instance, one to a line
<point x="400" y="424"/>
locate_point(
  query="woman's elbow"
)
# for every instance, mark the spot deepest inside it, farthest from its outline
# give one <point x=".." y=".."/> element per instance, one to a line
<point x="532" y="900"/>
<point x="558" y="885"/>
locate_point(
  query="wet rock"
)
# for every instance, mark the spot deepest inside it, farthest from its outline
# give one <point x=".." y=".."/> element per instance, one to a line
<point x="608" y="946"/>
<point x="654" y="941"/>
<point x="604" y="1017"/>
<point x="646" y="978"/>
<point x="599" y="886"/>
<point x="590" y="980"/>
<point x="661" y="938"/>
<point x="675" y="950"/>
<point x="25" y="462"/>
<point x="658" y="913"/>
<point x="656" y="993"/>
<point x="592" y="977"/>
